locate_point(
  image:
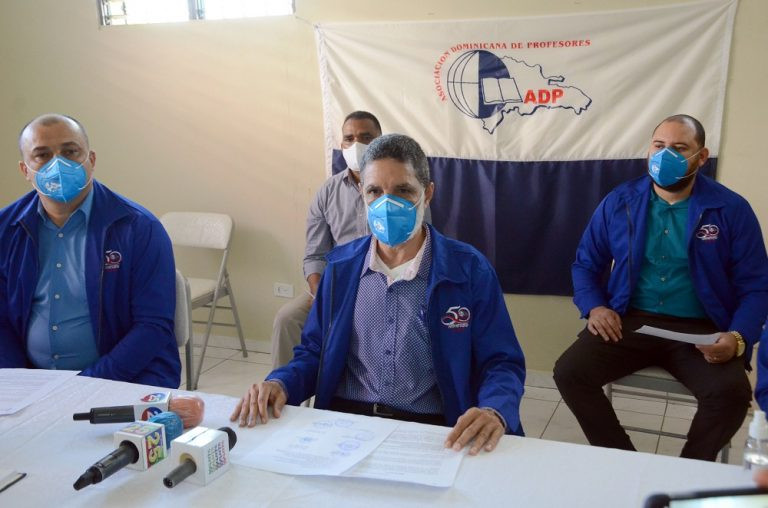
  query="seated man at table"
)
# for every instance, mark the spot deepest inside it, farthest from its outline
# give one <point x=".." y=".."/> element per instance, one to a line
<point x="87" y="278"/>
<point x="685" y="254"/>
<point x="407" y="323"/>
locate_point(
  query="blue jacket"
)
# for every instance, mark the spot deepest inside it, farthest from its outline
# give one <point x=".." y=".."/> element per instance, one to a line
<point x="479" y="365"/>
<point x="726" y="255"/>
<point x="130" y="284"/>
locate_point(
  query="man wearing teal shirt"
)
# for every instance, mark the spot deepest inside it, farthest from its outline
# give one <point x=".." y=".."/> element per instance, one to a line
<point x="683" y="253"/>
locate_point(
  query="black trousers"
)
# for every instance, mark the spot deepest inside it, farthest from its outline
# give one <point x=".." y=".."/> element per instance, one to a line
<point x="722" y="390"/>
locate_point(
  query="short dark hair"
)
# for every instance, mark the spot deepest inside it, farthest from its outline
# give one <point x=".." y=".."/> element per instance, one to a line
<point x="698" y="130"/>
<point x="400" y="148"/>
<point x="363" y="115"/>
<point x="51" y="119"/>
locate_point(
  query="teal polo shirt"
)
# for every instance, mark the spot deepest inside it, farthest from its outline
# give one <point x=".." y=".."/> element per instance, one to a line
<point x="665" y="285"/>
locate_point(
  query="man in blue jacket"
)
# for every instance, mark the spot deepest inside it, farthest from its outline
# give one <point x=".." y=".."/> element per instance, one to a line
<point x="87" y="278"/>
<point x="407" y="323"/>
<point x="685" y="254"/>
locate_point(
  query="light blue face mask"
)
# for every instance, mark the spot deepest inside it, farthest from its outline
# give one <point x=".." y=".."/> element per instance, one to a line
<point x="392" y="219"/>
<point x="61" y="179"/>
<point x="668" y="166"/>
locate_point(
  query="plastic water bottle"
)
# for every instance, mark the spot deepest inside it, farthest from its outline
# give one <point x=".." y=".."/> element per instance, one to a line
<point x="756" y="447"/>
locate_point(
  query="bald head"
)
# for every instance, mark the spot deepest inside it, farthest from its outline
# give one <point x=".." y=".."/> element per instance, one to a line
<point x="47" y="120"/>
<point x="693" y="124"/>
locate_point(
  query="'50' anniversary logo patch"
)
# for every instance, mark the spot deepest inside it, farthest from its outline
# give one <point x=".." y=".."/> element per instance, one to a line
<point x="456" y="317"/>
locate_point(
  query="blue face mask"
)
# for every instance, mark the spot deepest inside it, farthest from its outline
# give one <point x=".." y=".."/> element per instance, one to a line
<point x="61" y="179"/>
<point x="392" y="219"/>
<point x="668" y="166"/>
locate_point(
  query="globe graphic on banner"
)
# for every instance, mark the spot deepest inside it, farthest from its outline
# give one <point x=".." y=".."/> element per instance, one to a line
<point x="464" y="83"/>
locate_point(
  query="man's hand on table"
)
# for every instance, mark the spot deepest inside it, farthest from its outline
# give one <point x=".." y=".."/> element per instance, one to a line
<point x="481" y="424"/>
<point x="254" y="406"/>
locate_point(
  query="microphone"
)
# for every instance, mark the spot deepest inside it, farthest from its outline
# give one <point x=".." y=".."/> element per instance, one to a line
<point x="189" y="407"/>
<point x="171" y="422"/>
<point x="202" y="455"/>
<point x="139" y="446"/>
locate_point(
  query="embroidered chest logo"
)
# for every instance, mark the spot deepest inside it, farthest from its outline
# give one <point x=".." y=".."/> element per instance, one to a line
<point x="456" y="317"/>
<point x="708" y="232"/>
<point x="112" y="259"/>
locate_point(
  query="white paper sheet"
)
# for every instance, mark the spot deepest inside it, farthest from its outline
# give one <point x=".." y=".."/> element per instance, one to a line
<point x="692" y="338"/>
<point x="412" y="453"/>
<point x="21" y="387"/>
<point x="9" y="477"/>
<point x="319" y="445"/>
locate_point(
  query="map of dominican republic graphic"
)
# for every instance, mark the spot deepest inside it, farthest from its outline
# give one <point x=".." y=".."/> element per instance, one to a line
<point x="487" y="87"/>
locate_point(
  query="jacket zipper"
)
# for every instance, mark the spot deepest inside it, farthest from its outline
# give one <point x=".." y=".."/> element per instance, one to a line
<point x="432" y="347"/>
<point x="328" y="331"/>
<point x="37" y="267"/>
<point x="101" y="289"/>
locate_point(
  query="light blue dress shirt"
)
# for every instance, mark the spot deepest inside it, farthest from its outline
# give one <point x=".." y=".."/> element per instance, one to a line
<point x="390" y="353"/>
<point x="60" y="335"/>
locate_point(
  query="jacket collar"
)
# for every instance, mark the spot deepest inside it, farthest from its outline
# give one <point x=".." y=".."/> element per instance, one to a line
<point x="443" y="264"/>
<point x="703" y="196"/>
<point x="106" y="208"/>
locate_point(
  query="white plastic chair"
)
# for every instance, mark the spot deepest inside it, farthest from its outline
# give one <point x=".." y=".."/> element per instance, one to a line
<point x="208" y="231"/>
<point x="670" y="390"/>
<point x="183" y="322"/>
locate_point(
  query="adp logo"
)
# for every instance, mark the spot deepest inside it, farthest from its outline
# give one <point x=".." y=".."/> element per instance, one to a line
<point x="485" y="86"/>
<point x="456" y="317"/>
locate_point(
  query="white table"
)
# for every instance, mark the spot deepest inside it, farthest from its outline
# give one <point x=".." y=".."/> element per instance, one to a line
<point x="44" y="442"/>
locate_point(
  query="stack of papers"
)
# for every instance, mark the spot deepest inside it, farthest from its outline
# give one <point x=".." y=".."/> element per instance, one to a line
<point x="335" y="444"/>
<point x="21" y="387"/>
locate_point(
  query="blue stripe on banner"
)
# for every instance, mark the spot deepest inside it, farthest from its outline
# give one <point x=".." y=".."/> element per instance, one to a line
<point x="526" y="217"/>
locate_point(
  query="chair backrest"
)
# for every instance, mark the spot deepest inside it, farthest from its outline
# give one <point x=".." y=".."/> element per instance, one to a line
<point x="198" y="229"/>
<point x="183" y="318"/>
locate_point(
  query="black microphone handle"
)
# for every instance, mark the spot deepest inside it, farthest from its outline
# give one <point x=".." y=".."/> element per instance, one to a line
<point x="125" y="454"/>
<point x="232" y="437"/>
<point x="111" y="414"/>
<point x="186" y="468"/>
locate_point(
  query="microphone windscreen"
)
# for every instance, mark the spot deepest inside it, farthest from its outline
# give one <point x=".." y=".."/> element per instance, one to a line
<point x="231" y="434"/>
<point x="172" y="423"/>
<point x="189" y="407"/>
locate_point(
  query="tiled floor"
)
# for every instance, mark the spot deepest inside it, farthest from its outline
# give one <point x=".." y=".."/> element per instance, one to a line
<point x="543" y="413"/>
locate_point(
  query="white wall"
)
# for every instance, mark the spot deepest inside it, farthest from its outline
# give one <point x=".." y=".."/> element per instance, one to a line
<point x="226" y="116"/>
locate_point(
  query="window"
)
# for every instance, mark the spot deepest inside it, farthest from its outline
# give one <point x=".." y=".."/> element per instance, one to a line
<point x="132" y="12"/>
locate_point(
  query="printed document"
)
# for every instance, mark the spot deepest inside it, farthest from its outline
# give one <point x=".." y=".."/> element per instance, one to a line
<point x="413" y="453"/>
<point x="21" y="387"/>
<point x="692" y="338"/>
<point x="312" y="443"/>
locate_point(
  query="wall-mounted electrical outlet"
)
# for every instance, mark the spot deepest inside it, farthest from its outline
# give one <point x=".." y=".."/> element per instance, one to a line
<point x="283" y="290"/>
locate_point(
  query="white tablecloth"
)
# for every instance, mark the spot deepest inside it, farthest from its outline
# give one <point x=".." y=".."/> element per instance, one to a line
<point x="44" y="442"/>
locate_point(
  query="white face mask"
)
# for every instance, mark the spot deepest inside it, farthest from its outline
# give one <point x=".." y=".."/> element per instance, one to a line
<point x="354" y="155"/>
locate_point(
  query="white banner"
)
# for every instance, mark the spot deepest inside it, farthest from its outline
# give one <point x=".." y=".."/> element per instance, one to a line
<point x="550" y="88"/>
